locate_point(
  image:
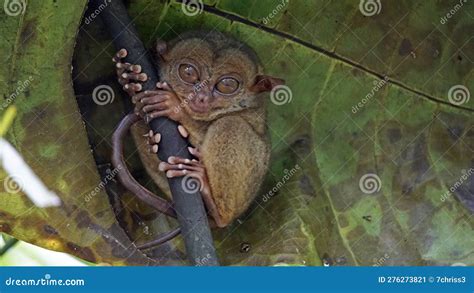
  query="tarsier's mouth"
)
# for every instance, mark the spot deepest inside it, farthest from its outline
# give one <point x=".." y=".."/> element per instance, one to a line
<point x="199" y="107"/>
<point x="196" y="106"/>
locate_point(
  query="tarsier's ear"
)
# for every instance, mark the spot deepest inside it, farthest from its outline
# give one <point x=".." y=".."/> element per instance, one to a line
<point x="265" y="83"/>
<point x="161" y="49"/>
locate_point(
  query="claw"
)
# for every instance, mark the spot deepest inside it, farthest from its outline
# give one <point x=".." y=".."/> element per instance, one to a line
<point x="184" y="133"/>
<point x="142" y="77"/>
<point x="136" y="68"/>
<point x="122" y="53"/>
<point x="157" y="137"/>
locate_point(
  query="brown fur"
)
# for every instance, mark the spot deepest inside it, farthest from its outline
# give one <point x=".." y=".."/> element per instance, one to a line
<point x="232" y="136"/>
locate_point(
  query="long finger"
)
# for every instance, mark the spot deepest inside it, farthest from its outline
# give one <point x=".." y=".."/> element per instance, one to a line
<point x="135" y="68"/>
<point x="138" y="97"/>
<point x="154" y="107"/>
<point x="184" y="133"/>
<point x="122" y="53"/>
<point x="132" y="88"/>
<point x="153" y="115"/>
<point x="149" y="100"/>
<point x="134" y="76"/>
<point x="195" y="152"/>
<point x="164" y="86"/>
<point x="179" y="160"/>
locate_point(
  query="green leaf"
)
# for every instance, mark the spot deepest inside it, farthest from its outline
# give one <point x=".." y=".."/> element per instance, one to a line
<point x="369" y="100"/>
<point x="37" y="48"/>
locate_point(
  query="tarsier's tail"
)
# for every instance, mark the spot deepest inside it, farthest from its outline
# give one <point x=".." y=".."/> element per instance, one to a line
<point x="127" y="180"/>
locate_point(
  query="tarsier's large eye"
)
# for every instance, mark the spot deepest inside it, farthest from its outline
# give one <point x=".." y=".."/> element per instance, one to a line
<point x="188" y="73"/>
<point x="227" y="85"/>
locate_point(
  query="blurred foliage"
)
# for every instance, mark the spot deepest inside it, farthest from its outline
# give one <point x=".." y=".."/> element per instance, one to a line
<point x="332" y="57"/>
<point x="37" y="47"/>
<point x="24" y="254"/>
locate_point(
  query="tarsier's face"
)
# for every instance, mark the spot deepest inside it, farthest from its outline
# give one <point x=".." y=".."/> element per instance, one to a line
<point x="209" y="81"/>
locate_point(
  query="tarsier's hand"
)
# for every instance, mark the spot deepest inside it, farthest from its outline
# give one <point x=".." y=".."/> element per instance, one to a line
<point x="158" y="103"/>
<point x="178" y="167"/>
<point x="129" y="75"/>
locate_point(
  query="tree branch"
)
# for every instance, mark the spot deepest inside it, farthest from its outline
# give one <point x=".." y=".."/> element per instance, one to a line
<point x="189" y="208"/>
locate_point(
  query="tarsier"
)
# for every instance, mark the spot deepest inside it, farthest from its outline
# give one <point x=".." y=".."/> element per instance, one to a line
<point x="212" y="85"/>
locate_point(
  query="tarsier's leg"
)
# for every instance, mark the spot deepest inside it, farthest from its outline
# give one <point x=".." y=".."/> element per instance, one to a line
<point x="178" y="167"/>
<point x="236" y="160"/>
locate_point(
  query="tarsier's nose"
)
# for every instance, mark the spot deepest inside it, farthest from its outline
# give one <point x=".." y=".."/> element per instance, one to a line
<point x="202" y="98"/>
<point x="201" y="101"/>
<point x="204" y="95"/>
